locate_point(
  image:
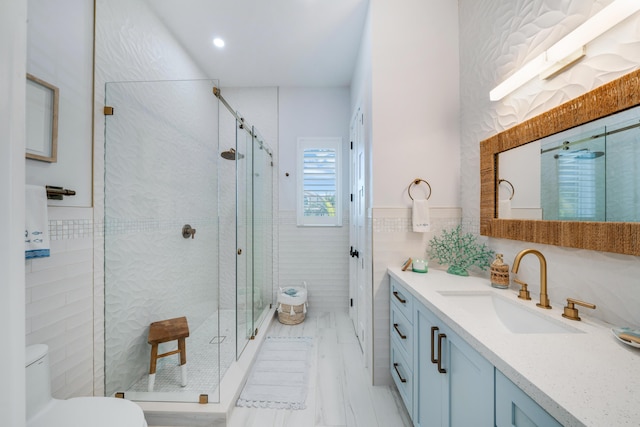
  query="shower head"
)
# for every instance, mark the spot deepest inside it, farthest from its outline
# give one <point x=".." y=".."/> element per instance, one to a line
<point x="231" y="154"/>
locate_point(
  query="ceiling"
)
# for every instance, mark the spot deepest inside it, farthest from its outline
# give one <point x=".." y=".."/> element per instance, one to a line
<point x="269" y="42"/>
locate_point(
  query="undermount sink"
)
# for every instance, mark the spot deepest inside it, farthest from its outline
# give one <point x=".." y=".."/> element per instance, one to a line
<point x="494" y="310"/>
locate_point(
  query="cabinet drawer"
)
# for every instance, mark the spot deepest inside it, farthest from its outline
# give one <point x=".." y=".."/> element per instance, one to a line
<point x="402" y="299"/>
<point x="514" y="408"/>
<point x="402" y="333"/>
<point x="403" y="377"/>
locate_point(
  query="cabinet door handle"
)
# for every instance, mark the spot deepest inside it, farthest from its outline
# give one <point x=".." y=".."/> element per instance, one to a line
<point x="395" y="294"/>
<point x="395" y="326"/>
<point x="433" y="331"/>
<point x="395" y="366"/>
<point x="440" y="368"/>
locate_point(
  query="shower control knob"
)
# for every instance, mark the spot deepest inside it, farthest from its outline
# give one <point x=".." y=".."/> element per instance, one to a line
<point x="188" y="231"/>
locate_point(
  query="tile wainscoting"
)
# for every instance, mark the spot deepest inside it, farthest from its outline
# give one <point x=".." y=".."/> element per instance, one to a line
<point x="59" y="301"/>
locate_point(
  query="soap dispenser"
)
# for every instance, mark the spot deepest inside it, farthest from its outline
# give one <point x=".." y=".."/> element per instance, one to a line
<point x="499" y="273"/>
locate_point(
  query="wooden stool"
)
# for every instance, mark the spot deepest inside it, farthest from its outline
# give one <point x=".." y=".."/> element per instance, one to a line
<point x="164" y="331"/>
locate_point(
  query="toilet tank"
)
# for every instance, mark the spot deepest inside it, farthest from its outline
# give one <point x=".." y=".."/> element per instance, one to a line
<point x="38" y="378"/>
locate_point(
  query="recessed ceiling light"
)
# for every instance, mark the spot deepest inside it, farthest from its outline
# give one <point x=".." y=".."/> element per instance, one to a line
<point x="218" y="42"/>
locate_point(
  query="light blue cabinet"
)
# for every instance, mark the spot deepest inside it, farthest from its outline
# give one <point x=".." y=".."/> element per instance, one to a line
<point x="443" y="381"/>
<point x="515" y="409"/>
<point x="402" y="342"/>
<point x="431" y="387"/>
<point x="455" y="384"/>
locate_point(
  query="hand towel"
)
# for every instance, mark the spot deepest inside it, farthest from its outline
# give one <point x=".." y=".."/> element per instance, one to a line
<point x="36" y="235"/>
<point x="504" y="209"/>
<point x="421" y="218"/>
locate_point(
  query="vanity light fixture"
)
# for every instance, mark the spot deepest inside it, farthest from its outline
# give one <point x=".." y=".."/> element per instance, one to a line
<point x="569" y="49"/>
<point x="218" y="42"/>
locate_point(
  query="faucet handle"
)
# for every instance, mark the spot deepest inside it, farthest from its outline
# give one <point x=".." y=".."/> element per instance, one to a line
<point x="524" y="293"/>
<point x="188" y="231"/>
<point x="571" y="312"/>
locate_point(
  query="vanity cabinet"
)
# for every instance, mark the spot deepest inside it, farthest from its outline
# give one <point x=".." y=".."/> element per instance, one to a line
<point x="454" y="384"/>
<point x="515" y="409"/>
<point x="443" y="381"/>
<point x="402" y="342"/>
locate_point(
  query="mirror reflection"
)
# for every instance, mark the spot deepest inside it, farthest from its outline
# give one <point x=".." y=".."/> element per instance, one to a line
<point x="587" y="173"/>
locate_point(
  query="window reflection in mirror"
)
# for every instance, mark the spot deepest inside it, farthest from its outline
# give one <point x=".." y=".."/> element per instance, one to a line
<point x="587" y="173"/>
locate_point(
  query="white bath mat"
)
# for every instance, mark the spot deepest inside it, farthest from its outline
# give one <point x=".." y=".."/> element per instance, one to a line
<point x="280" y="375"/>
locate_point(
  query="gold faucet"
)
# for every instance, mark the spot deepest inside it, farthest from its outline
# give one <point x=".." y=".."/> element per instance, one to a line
<point x="544" y="298"/>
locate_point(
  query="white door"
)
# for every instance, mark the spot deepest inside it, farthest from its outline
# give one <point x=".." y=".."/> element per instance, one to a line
<point x="357" y="276"/>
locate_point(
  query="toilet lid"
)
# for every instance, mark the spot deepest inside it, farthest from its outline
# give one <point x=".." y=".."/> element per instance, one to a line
<point x="90" y="411"/>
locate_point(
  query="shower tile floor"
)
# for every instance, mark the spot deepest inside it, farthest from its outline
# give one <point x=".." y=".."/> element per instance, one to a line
<point x="203" y="358"/>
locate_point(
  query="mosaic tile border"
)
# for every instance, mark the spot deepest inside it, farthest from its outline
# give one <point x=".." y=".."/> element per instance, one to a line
<point x="71" y="229"/>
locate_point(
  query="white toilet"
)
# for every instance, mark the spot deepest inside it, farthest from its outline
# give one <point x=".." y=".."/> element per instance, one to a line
<point x="45" y="411"/>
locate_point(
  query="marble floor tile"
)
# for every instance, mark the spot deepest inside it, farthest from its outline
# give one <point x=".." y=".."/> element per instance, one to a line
<point x="340" y="390"/>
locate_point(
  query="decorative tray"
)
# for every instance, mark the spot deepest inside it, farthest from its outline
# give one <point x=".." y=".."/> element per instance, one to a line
<point x="628" y="336"/>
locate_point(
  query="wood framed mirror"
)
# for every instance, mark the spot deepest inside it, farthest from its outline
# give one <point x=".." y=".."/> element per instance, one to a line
<point x="42" y="100"/>
<point x="618" y="237"/>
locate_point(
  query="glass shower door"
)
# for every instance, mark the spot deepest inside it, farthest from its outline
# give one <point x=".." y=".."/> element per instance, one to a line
<point x="262" y="229"/>
<point x="160" y="173"/>
<point x="244" y="237"/>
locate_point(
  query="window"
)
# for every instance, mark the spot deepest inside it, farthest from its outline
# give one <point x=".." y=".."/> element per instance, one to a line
<point x="319" y="201"/>
<point x="577" y="190"/>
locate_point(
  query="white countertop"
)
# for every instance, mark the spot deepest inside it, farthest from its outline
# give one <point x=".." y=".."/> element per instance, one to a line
<point x="581" y="379"/>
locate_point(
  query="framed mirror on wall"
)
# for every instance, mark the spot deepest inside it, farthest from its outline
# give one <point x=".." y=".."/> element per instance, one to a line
<point x="620" y="237"/>
<point x="42" y="100"/>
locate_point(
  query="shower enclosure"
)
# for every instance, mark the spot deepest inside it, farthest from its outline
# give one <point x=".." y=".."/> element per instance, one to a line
<point x="168" y="166"/>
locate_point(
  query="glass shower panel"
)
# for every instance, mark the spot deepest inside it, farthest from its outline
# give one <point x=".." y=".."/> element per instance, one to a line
<point x="161" y="151"/>
<point x="262" y="229"/>
<point x="244" y="236"/>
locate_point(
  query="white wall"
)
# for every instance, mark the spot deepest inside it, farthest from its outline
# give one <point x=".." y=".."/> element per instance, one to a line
<point x="13" y="48"/>
<point x="60" y="52"/>
<point x="59" y="288"/>
<point x="415" y="134"/>
<point x="498" y="36"/>
<point x="317" y="255"/>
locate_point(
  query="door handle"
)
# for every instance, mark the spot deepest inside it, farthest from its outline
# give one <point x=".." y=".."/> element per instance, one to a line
<point x="434" y="329"/>
<point x="354" y="253"/>
<point x="440" y="368"/>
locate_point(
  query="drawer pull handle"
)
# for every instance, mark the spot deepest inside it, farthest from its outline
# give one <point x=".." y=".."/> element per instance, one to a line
<point x="395" y="294"/>
<point x="434" y="329"/>
<point x="395" y="326"/>
<point x="395" y="366"/>
<point x="440" y="368"/>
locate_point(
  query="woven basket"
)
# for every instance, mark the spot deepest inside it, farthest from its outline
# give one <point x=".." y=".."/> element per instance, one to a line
<point x="292" y="309"/>
<point x="285" y="317"/>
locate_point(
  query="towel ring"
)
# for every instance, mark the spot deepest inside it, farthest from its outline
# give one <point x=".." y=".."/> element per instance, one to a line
<point x="416" y="182"/>
<point x="513" y="190"/>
